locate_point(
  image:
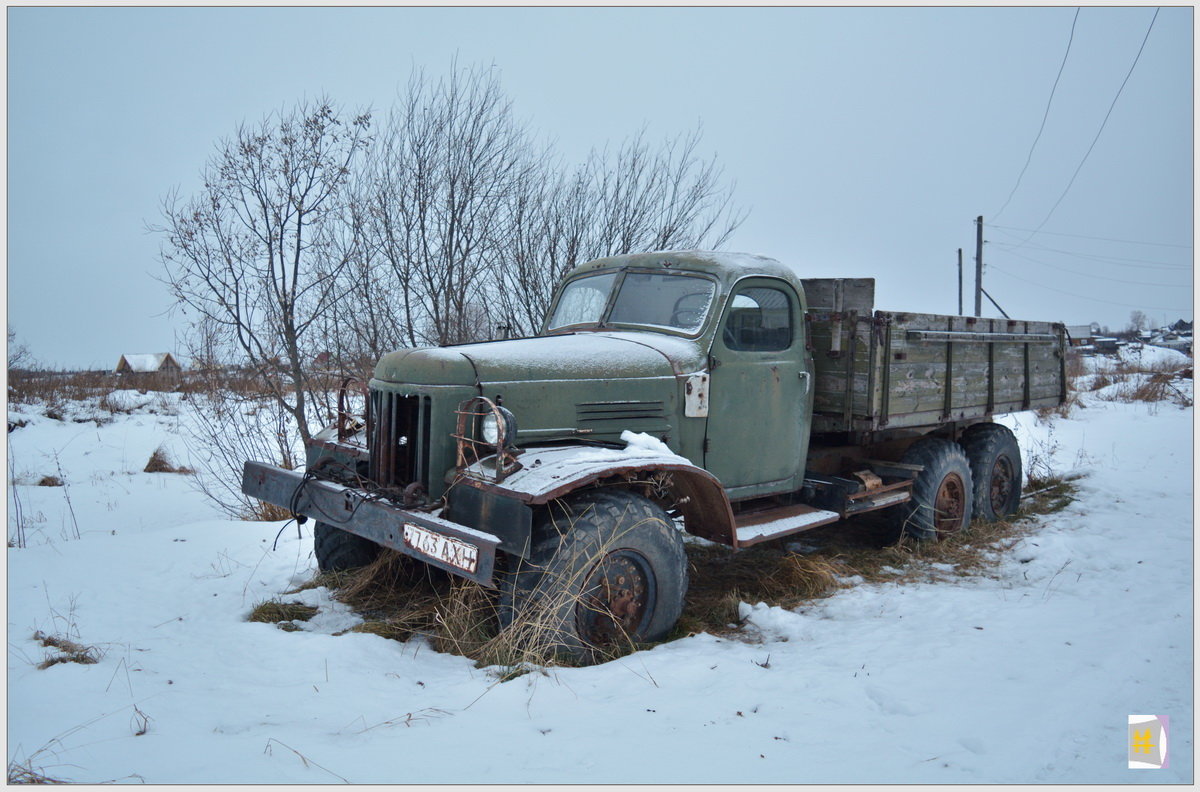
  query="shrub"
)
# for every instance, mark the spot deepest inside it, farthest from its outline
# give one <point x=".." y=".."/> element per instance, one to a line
<point x="161" y="463"/>
<point x="68" y="651"/>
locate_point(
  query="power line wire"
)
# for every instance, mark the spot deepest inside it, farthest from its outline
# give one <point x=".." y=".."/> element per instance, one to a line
<point x="1097" y="277"/>
<point x="1101" y="130"/>
<point x="1045" y="115"/>
<point x="1140" y="264"/>
<point x="1092" y="299"/>
<point x="1081" y="236"/>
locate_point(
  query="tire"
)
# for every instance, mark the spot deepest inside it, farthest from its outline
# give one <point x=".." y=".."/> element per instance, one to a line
<point x="607" y="571"/>
<point x="337" y="550"/>
<point x="995" y="460"/>
<point x="942" y="494"/>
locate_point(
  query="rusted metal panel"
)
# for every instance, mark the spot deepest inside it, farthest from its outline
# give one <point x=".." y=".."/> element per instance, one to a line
<point x="456" y="548"/>
<point x="554" y="472"/>
<point x="695" y="396"/>
<point x="508" y="518"/>
<point x="766" y="526"/>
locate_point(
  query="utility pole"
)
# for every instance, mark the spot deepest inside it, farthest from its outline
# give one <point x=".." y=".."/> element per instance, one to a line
<point x="960" y="281"/>
<point x="979" y="266"/>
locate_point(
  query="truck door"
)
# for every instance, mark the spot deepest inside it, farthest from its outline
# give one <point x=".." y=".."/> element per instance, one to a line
<point x="760" y="392"/>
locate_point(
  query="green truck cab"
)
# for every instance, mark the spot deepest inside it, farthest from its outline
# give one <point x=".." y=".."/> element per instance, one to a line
<point x="715" y="394"/>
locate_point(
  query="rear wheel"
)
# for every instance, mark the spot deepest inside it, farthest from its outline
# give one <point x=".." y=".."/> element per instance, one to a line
<point x="995" y="460"/>
<point x="607" y="572"/>
<point x="337" y="550"/>
<point x="942" y="493"/>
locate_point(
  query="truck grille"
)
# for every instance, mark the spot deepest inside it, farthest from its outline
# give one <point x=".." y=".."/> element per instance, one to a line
<point x="398" y="432"/>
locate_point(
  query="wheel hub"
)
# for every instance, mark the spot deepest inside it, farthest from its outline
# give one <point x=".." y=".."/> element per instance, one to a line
<point x="1002" y="486"/>
<point x="617" y="599"/>
<point x="950" y="504"/>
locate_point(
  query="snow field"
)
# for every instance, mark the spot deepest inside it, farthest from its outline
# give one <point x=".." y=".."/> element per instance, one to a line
<point x="1026" y="676"/>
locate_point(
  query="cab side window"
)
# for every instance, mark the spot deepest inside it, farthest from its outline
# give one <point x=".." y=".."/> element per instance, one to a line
<point x="760" y="320"/>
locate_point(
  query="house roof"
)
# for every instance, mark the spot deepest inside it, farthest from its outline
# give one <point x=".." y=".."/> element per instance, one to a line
<point x="1079" y="331"/>
<point x="147" y="362"/>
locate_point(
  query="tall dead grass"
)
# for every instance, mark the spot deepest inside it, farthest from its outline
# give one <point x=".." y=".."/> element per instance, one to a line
<point x="400" y="598"/>
<point x="1149" y="387"/>
<point x="1124" y="380"/>
<point x="64" y="650"/>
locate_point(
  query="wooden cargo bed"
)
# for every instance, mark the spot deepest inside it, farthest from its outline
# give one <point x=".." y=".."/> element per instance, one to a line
<point x="878" y="370"/>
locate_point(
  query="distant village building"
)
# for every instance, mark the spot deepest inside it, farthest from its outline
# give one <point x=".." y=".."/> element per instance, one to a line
<point x="1080" y="335"/>
<point x="1177" y="336"/>
<point x="1170" y="340"/>
<point x="150" y="363"/>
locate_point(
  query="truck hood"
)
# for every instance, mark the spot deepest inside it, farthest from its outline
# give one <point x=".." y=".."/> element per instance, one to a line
<point x="574" y="356"/>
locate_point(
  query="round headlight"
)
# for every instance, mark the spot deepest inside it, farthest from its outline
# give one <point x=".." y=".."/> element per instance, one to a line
<point x="490" y="429"/>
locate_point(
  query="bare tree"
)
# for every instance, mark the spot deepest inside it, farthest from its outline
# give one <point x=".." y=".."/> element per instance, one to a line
<point x="635" y="200"/>
<point x="253" y="252"/>
<point x="447" y="165"/>
<point x="18" y="353"/>
<point x="368" y="320"/>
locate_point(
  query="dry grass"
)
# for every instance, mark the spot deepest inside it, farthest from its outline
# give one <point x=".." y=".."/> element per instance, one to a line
<point x="66" y="651"/>
<point x="396" y="596"/>
<point x="1147" y="387"/>
<point x="161" y="463"/>
<point x="1134" y="381"/>
<point x="721" y="579"/>
<point x="1124" y="380"/>
<point x="400" y="598"/>
<point x="261" y="511"/>
<point x="839" y="556"/>
<point x="282" y="614"/>
<point x="57" y="387"/>
<point x="26" y="773"/>
<point x="1047" y="495"/>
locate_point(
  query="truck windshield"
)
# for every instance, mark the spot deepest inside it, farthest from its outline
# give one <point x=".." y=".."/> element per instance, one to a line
<point x="672" y="300"/>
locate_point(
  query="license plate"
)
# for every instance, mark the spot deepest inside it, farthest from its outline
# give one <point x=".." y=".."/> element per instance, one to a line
<point x="446" y="549"/>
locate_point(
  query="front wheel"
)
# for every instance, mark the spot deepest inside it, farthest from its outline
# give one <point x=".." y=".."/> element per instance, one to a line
<point x="337" y="550"/>
<point x="608" y="571"/>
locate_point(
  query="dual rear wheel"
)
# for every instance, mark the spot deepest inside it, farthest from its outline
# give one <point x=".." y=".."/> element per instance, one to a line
<point x="978" y="477"/>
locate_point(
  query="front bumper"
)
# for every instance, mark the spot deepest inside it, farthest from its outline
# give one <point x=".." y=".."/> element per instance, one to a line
<point x="427" y="537"/>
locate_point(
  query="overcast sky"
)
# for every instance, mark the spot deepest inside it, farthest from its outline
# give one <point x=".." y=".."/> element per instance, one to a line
<point x="864" y="142"/>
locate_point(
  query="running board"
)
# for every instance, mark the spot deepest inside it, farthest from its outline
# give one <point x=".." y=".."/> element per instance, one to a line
<point x="767" y="525"/>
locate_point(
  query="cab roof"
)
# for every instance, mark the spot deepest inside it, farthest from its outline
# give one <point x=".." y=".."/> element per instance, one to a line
<point x="726" y="267"/>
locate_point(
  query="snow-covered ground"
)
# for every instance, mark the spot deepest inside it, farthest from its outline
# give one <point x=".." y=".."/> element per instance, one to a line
<point x="1022" y="678"/>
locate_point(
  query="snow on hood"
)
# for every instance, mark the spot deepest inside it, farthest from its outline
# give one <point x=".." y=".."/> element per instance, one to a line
<point x="544" y="469"/>
<point x="581" y="356"/>
<point x="576" y="356"/>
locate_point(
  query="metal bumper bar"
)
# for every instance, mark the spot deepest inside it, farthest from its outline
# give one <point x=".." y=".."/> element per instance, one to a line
<point x="438" y="542"/>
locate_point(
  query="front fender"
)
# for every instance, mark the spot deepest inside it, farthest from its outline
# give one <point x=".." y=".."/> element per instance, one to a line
<point x="547" y="474"/>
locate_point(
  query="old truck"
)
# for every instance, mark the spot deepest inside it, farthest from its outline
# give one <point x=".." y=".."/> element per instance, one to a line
<point x="722" y="395"/>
